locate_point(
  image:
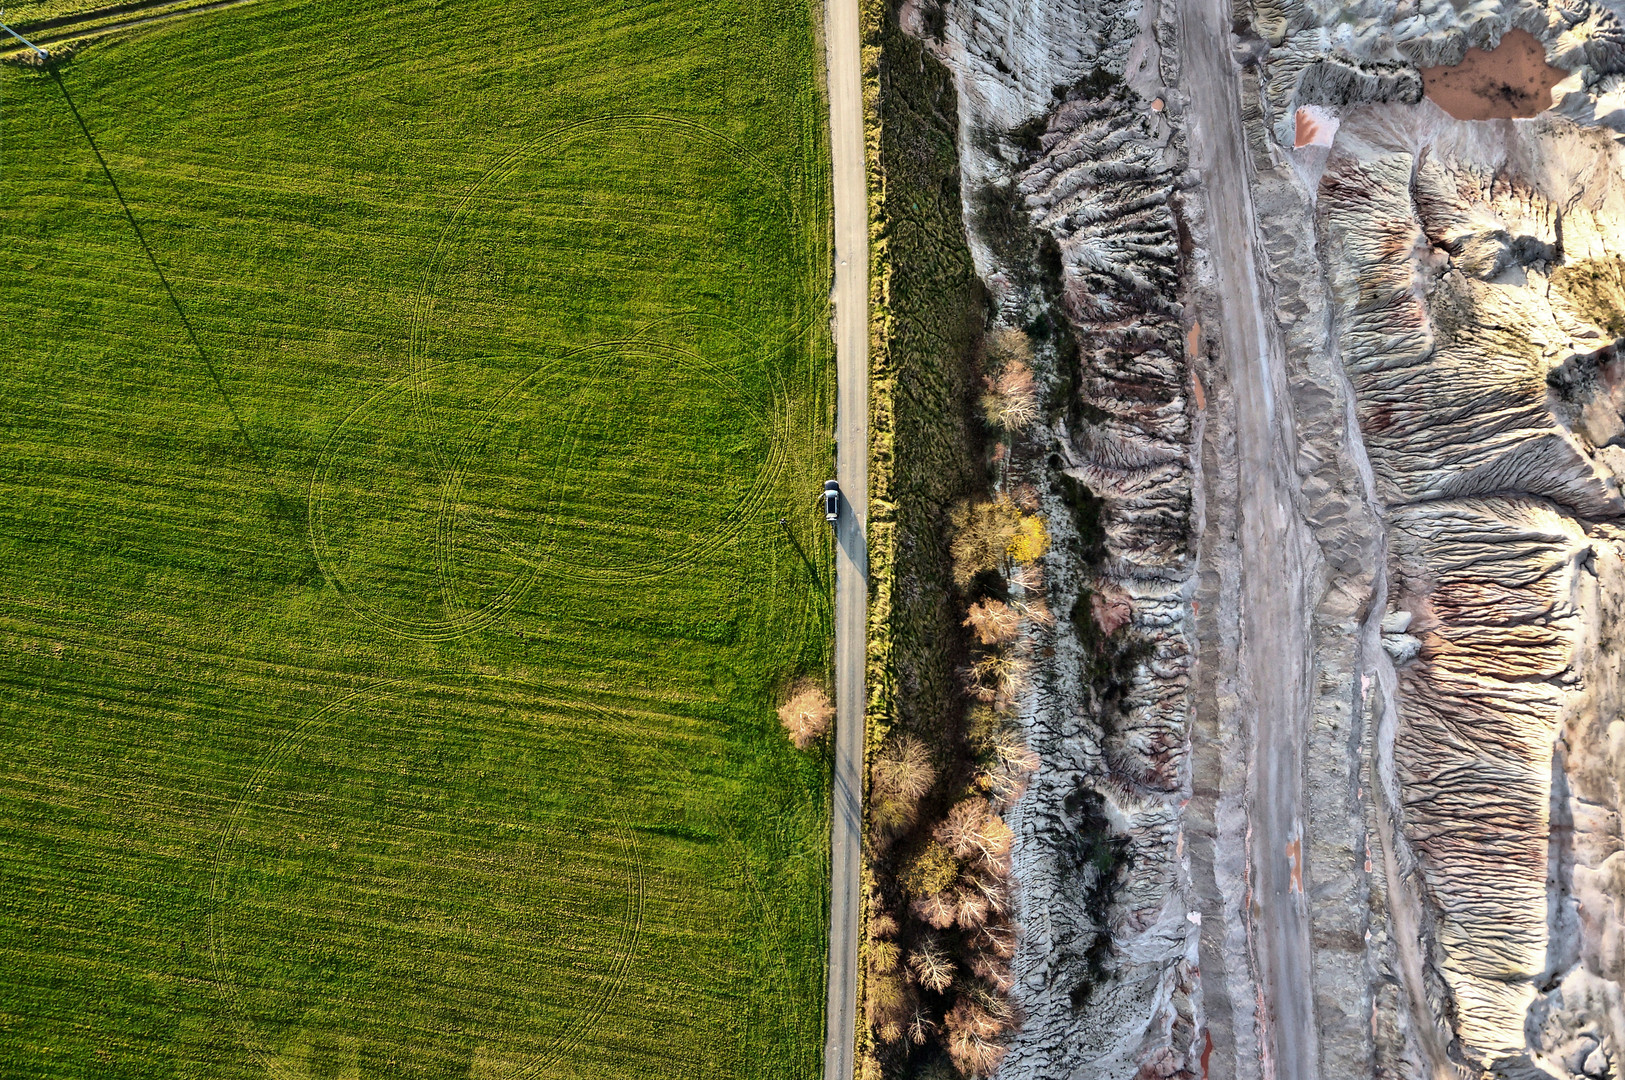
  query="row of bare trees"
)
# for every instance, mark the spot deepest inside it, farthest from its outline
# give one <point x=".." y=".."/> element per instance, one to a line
<point x="941" y="924"/>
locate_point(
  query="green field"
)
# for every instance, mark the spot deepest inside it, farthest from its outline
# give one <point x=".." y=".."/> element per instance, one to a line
<point x="391" y="618"/>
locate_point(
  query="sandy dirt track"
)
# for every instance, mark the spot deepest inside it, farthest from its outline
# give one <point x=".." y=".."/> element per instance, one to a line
<point x="1276" y="550"/>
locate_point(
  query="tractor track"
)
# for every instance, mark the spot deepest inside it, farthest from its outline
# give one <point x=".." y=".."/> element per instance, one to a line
<point x="87" y="25"/>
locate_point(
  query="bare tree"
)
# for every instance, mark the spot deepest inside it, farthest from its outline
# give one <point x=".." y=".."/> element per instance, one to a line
<point x="981" y="536"/>
<point x="1003" y="786"/>
<point x="1029" y="577"/>
<point x="901" y="775"/>
<point x="932" y="965"/>
<point x="996" y="938"/>
<point x="993" y="970"/>
<point x="1013" y="753"/>
<point x="921" y="1025"/>
<point x="999" y="673"/>
<point x="971" y="1031"/>
<point x="1036" y="611"/>
<point x="973" y="830"/>
<point x="806" y="714"/>
<point x="1011" y="397"/>
<point x="887" y="1001"/>
<point x="993" y="886"/>
<point x="904" y="768"/>
<point x="970" y="909"/>
<point x="935" y="908"/>
<point x="1006" y="345"/>
<point x="993" y="622"/>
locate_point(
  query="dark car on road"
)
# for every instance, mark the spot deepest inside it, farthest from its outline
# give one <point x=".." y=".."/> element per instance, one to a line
<point x="832" y="500"/>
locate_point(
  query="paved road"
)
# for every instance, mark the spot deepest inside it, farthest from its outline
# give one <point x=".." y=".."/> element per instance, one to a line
<point x="851" y="558"/>
<point x="1275" y="547"/>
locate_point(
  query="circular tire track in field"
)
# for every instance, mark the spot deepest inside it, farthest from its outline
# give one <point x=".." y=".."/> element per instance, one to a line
<point x="519" y="543"/>
<point x="352" y="517"/>
<point x="468" y="544"/>
<point x="314" y="947"/>
<point x="599" y="131"/>
<point x="579" y="552"/>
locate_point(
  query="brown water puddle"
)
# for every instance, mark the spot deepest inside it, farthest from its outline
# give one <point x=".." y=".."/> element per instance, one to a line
<point x="1511" y="80"/>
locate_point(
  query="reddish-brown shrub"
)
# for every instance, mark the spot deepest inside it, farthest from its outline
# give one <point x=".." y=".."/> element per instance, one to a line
<point x="1112" y="609"/>
<point x="806" y="714"/>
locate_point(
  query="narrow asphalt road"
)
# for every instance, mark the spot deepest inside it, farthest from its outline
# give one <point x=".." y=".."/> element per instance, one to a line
<point x="1276" y="549"/>
<point x="851" y="556"/>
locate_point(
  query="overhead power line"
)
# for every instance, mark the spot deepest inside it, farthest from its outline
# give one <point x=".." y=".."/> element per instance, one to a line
<point x="43" y="55"/>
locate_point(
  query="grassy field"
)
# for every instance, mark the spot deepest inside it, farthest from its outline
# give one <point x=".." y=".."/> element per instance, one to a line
<point x="391" y="613"/>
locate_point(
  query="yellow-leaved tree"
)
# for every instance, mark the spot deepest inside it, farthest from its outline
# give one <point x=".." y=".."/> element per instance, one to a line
<point x="1031" y="540"/>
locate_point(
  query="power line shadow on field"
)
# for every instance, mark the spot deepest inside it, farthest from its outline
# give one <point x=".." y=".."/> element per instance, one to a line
<point x="162" y="277"/>
<point x="812" y="568"/>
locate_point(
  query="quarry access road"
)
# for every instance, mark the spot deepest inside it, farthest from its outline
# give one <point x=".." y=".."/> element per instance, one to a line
<point x="851" y="330"/>
<point x="1276" y="553"/>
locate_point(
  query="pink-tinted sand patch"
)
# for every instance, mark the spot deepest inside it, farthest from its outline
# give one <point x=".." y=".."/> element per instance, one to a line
<point x="1509" y="81"/>
<point x="1111" y="608"/>
<point x="1313" y="126"/>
